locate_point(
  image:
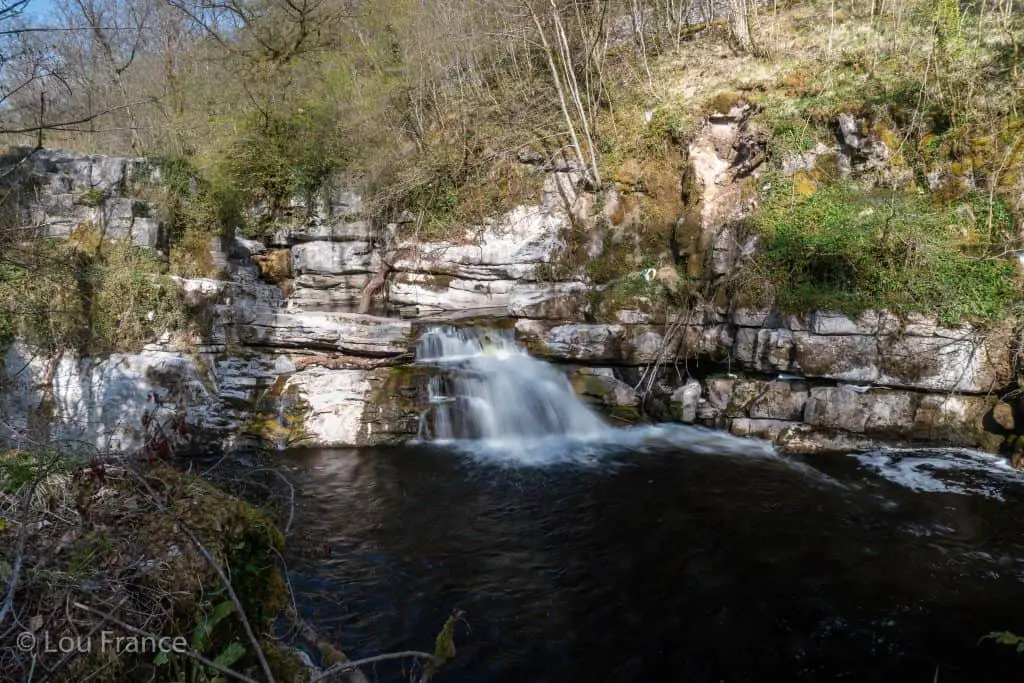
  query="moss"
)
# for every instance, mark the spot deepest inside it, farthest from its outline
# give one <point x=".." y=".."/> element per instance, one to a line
<point x="613" y="263"/>
<point x="724" y="102"/>
<point x="626" y="414"/>
<point x="437" y="282"/>
<point x="92" y="197"/>
<point x="120" y="533"/>
<point x="843" y="248"/>
<point x="279" y="416"/>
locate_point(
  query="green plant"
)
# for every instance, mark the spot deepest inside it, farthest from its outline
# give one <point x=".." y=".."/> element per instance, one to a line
<point x="1005" y="638"/>
<point x="285" y="153"/>
<point x="202" y="641"/>
<point x="92" y="197"/>
<point x="852" y="250"/>
<point x="91" y="295"/>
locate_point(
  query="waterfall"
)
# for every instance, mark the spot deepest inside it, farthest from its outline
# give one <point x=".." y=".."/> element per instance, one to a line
<point x="492" y="401"/>
<point x="490" y="389"/>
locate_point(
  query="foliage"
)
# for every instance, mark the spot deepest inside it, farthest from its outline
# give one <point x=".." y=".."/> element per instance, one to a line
<point x="852" y="250"/>
<point x="196" y="209"/>
<point x="96" y="299"/>
<point x="283" y="154"/>
<point x="1006" y="638"/>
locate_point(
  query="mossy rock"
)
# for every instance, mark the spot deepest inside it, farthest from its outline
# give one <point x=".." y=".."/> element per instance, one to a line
<point x="130" y="547"/>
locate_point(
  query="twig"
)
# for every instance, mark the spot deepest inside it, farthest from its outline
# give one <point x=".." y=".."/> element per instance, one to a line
<point x="225" y="580"/>
<point x="348" y="666"/>
<point x="191" y="654"/>
<point x="58" y="126"/>
<point x="331" y="654"/>
<point x="74" y="652"/>
<point x="19" y="556"/>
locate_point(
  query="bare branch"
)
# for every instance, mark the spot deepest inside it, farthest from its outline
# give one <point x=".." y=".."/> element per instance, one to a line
<point x="191" y="654"/>
<point x="225" y="580"/>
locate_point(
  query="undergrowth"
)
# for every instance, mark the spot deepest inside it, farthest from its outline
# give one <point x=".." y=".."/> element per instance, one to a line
<point x="852" y="250"/>
<point x="91" y="295"/>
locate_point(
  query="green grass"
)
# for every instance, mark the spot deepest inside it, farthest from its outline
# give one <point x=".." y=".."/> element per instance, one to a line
<point x="90" y="295"/>
<point x="853" y="250"/>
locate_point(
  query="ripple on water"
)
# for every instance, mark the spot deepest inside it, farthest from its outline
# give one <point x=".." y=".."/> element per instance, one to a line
<point x="958" y="471"/>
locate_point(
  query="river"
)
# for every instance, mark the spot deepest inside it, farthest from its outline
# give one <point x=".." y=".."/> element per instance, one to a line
<point x="667" y="556"/>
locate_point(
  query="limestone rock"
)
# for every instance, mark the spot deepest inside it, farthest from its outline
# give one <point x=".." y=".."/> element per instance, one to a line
<point x="769" y="430"/>
<point x="875" y="412"/>
<point x="849" y="358"/>
<point x="780" y="400"/>
<point x="868" y="323"/>
<point x="344" y="332"/>
<point x="336" y="400"/>
<point x="566" y="301"/>
<point x="601" y="385"/>
<point x="333" y="258"/>
<point x="685" y="400"/>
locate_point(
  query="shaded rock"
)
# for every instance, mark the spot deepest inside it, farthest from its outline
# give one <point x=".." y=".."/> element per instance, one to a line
<point x="850" y="358"/>
<point x="955" y="420"/>
<point x="877" y="412"/>
<point x="972" y="364"/>
<point x="780" y="401"/>
<point x="804" y="439"/>
<point x="769" y="430"/>
<point x="549" y="301"/>
<point x="1003" y="414"/>
<point x="611" y="393"/>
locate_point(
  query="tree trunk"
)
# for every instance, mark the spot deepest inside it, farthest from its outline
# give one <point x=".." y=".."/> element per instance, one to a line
<point x="739" y="25"/>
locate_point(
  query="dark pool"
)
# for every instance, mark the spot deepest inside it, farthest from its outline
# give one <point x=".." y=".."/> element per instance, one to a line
<point x="665" y="564"/>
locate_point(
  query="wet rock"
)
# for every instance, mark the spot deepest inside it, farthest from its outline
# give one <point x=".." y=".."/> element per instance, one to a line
<point x="769" y="430"/>
<point x="805" y="439"/>
<point x="611" y="393"/>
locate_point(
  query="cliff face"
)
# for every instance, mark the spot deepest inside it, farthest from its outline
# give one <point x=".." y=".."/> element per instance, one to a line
<point x="284" y="358"/>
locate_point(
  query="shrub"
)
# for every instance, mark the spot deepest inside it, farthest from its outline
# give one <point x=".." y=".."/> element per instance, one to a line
<point x="284" y="154"/>
<point x="113" y="298"/>
<point x="851" y="250"/>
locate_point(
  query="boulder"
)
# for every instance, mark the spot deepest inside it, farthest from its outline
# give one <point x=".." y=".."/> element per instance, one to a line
<point x="685" y="400"/>
<point x="333" y="258"/>
<point x="780" y="400"/>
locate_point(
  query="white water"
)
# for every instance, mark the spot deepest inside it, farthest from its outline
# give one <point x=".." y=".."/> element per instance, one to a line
<point x="948" y="470"/>
<point x="494" y="401"/>
<point x="493" y="390"/>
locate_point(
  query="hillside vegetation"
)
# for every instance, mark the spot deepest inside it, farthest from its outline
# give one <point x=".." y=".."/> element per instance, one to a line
<point x="433" y="104"/>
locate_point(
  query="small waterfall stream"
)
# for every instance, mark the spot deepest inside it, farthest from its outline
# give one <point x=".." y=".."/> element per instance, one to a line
<point x="491" y="389"/>
<point x="493" y="401"/>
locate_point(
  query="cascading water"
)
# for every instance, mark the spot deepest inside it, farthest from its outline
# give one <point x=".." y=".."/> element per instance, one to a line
<point x="491" y="399"/>
<point x="491" y="389"/>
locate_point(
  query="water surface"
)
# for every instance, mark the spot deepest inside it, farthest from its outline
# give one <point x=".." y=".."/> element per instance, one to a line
<point x="653" y="561"/>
